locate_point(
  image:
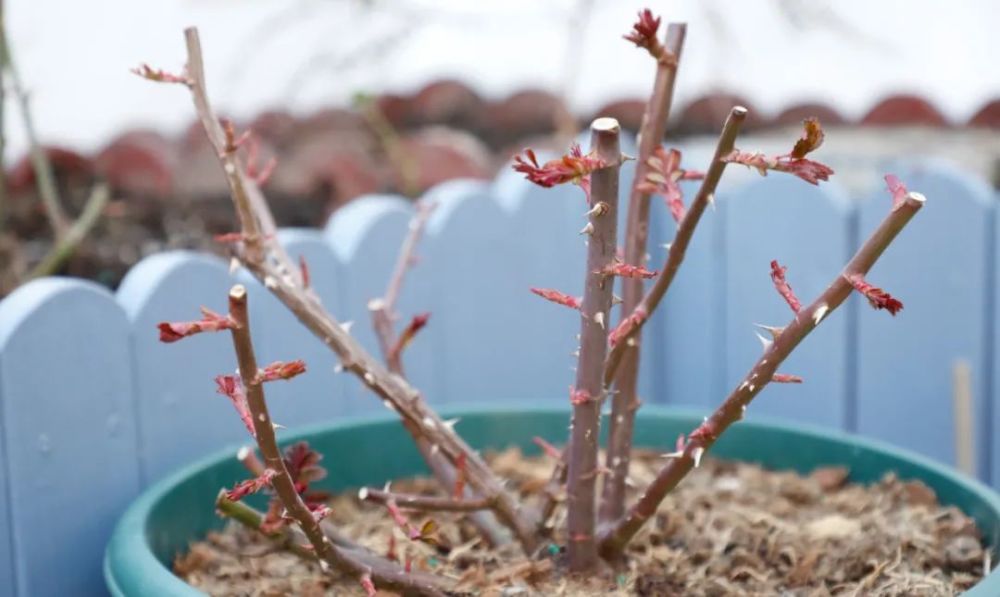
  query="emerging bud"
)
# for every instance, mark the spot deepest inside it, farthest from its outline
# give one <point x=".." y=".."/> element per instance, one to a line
<point x="778" y="277"/>
<point x="210" y="322"/>
<point x="250" y="486"/>
<point x="706" y="433"/>
<point x="231" y="387"/>
<point x="877" y="298"/>
<point x="557" y="297"/>
<point x="793" y="162"/>
<point x="624" y="329"/>
<point x="281" y="370"/>
<point x="785" y="378"/>
<point x="579" y="397"/>
<point x="264" y="174"/>
<point x="897" y="189"/>
<point x="416" y="324"/>
<point x="161" y="76"/>
<point x="304" y="271"/>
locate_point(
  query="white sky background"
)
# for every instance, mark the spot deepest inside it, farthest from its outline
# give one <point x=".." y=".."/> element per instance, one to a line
<point x="74" y="55"/>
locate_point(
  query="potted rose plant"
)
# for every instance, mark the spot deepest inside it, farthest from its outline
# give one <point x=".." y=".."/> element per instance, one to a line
<point x="580" y="529"/>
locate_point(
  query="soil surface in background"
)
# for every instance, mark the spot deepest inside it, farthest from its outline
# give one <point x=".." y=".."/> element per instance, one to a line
<point x="728" y="529"/>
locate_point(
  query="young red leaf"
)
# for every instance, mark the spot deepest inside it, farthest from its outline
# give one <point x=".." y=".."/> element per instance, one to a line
<point x="794" y="162"/>
<point x="662" y="177"/>
<point x="626" y="326"/>
<point x="281" y="370"/>
<point x="557" y="297"/>
<point x="897" y="189"/>
<point x="250" y="486"/>
<point x="160" y="76"/>
<point x="368" y="585"/>
<point x="785" y="378"/>
<point x="811" y="139"/>
<point x="303" y="464"/>
<point x="573" y="167"/>
<point x="210" y="322"/>
<point x="877" y="298"/>
<point x="644" y="31"/>
<point x="319" y="511"/>
<point x="778" y="277"/>
<point x="625" y="270"/>
<point x="232" y="387"/>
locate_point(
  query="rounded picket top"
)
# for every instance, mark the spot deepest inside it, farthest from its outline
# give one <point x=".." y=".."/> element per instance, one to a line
<point x="940" y="268"/>
<point x="187" y="271"/>
<point x="351" y="227"/>
<point x="175" y="394"/>
<point x="69" y="430"/>
<point x="453" y="195"/>
<point x="807" y="229"/>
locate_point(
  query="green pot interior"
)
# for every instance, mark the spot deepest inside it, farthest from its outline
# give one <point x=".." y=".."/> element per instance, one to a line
<point x="369" y="452"/>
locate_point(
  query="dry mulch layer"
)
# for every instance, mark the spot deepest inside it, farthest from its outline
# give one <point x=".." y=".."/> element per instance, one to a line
<point x="728" y="529"/>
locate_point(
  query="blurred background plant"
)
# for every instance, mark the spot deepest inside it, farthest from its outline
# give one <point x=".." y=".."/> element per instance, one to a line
<point x="396" y="96"/>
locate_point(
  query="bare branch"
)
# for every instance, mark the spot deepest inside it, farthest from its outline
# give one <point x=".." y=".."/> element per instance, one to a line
<point x="383" y="310"/>
<point x="587" y="394"/>
<point x="625" y="400"/>
<point x="424" y="503"/>
<point x="614" y="539"/>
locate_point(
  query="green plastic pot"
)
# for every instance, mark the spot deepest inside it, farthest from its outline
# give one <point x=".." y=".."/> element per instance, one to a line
<point x="178" y="510"/>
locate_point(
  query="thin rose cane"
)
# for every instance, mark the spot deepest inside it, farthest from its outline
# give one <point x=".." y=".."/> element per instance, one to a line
<point x="615" y="537"/>
<point x="588" y="393"/>
<point x="624" y="400"/>
<point x="383" y="313"/>
<point x="678" y="248"/>
<point x="268" y="261"/>
<point x="384" y="572"/>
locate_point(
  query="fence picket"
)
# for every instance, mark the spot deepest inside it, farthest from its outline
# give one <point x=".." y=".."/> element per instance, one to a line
<point x="939" y="268"/>
<point x="174" y="388"/>
<point x="70" y="439"/>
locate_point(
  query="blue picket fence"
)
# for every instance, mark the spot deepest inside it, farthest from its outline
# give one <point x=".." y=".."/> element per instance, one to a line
<point x="93" y="408"/>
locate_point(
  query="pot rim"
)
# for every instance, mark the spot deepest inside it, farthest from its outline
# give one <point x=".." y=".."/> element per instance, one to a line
<point x="129" y="550"/>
